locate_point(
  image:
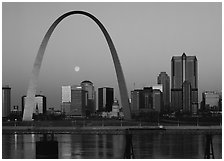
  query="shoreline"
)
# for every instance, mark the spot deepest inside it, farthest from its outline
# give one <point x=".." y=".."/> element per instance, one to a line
<point x="111" y="129"/>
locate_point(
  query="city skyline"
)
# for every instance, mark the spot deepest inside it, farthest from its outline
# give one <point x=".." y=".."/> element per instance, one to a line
<point x="147" y="50"/>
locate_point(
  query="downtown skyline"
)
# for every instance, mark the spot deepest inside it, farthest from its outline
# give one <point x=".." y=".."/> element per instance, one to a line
<point x="145" y="41"/>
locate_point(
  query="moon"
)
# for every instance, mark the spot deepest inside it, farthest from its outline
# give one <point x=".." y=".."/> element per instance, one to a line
<point x="77" y="68"/>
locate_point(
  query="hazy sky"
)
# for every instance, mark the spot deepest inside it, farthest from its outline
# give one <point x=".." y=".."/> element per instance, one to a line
<point x="146" y="36"/>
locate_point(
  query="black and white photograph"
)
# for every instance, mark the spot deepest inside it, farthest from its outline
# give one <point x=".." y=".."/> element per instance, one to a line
<point x="111" y="80"/>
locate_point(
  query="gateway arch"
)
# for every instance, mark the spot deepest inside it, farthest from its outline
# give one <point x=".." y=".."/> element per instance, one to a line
<point x="29" y="104"/>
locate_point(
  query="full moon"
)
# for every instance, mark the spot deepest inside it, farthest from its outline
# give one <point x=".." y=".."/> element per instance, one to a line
<point x="77" y="68"/>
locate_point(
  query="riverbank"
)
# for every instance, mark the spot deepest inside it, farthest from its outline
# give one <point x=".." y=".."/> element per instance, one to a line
<point x="112" y="129"/>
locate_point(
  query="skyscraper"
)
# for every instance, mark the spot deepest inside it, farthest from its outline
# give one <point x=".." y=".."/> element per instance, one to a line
<point x="210" y="101"/>
<point x="91" y="100"/>
<point x="78" y="101"/>
<point x="147" y="98"/>
<point x="187" y="103"/>
<point x="157" y="100"/>
<point x="66" y="99"/>
<point x="164" y="79"/>
<point x="105" y="99"/>
<point x="6" y="100"/>
<point x="66" y="94"/>
<point x="136" y="100"/>
<point x="184" y="68"/>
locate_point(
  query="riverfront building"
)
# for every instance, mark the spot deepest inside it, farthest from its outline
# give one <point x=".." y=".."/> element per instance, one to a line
<point x="105" y="99"/>
<point x="78" y="101"/>
<point x="164" y="80"/>
<point x="66" y="100"/>
<point x="211" y="101"/>
<point x="184" y="83"/>
<point x="6" y="100"/>
<point x="40" y="104"/>
<point x="91" y="99"/>
<point x="147" y="99"/>
<point x="158" y="86"/>
<point x="136" y="100"/>
<point x="157" y="100"/>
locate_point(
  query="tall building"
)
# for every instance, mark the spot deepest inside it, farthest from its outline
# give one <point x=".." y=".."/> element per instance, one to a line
<point x="40" y="104"/>
<point x="136" y="100"/>
<point x="187" y="103"/>
<point x="91" y="100"/>
<point x="105" y="99"/>
<point x="6" y="100"/>
<point x="211" y="101"/>
<point x="164" y="80"/>
<point x="157" y="100"/>
<point x="184" y="68"/>
<point x="66" y="94"/>
<point x="66" y="100"/>
<point x="78" y="101"/>
<point x="147" y="98"/>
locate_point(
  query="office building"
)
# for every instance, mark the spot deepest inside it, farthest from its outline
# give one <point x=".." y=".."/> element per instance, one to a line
<point x="157" y="100"/>
<point x="66" y="100"/>
<point x="211" y="101"/>
<point x="184" y="68"/>
<point x="187" y="97"/>
<point x="6" y="100"/>
<point x="66" y="94"/>
<point x="78" y="101"/>
<point x="136" y="100"/>
<point x="40" y="104"/>
<point x="142" y="100"/>
<point x="158" y="86"/>
<point x="105" y="99"/>
<point x="91" y="100"/>
<point x="164" y="80"/>
<point x="147" y="98"/>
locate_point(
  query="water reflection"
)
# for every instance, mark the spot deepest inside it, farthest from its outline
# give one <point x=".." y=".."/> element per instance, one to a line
<point x="150" y="145"/>
<point x="89" y="146"/>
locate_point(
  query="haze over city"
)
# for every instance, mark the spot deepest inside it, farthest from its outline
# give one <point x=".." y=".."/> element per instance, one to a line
<point x="145" y="35"/>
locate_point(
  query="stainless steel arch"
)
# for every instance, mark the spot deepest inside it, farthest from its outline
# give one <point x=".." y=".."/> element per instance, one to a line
<point x="28" y="110"/>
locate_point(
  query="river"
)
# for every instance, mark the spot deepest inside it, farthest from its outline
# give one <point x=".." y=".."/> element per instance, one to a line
<point x="158" y="145"/>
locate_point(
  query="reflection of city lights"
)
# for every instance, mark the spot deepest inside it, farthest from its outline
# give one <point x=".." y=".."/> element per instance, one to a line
<point x="67" y="155"/>
<point x="33" y="141"/>
<point x="33" y="137"/>
<point x="16" y="138"/>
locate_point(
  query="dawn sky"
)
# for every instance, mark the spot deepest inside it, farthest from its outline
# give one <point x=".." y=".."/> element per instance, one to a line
<point x="146" y="36"/>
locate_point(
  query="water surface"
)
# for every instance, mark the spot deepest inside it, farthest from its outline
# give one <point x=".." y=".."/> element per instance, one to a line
<point x="158" y="145"/>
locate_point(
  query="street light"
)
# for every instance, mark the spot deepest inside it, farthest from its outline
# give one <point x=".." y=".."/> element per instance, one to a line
<point x="15" y="122"/>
